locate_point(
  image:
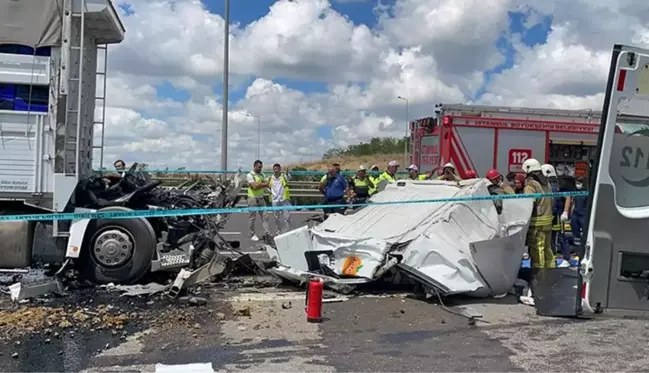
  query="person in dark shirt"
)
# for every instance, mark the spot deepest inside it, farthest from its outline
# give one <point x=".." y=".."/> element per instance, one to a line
<point x="334" y="189"/>
<point x="578" y="215"/>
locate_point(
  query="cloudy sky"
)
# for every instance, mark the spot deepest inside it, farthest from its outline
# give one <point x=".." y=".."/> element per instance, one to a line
<point x="324" y="73"/>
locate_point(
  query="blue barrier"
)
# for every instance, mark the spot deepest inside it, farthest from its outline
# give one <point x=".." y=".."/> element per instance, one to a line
<point x="268" y="172"/>
<point x="230" y="210"/>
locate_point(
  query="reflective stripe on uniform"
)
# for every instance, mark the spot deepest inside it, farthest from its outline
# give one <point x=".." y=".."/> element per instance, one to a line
<point x="540" y="221"/>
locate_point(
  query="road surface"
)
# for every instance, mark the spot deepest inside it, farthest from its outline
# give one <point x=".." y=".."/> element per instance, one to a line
<point x="267" y="331"/>
<point x="237" y="226"/>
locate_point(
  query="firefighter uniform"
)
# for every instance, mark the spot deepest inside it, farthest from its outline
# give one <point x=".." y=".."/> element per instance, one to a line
<point x="539" y="234"/>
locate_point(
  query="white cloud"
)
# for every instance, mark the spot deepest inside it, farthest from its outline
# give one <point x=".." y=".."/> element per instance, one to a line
<point x="428" y="51"/>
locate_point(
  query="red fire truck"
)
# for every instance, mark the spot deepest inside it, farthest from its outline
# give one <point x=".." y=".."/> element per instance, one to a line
<point x="479" y="138"/>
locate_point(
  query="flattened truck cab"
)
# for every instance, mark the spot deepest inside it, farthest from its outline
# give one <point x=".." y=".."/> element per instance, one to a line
<point x="51" y="53"/>
<point x="615" y="267"/>
<point x="479" y="138"/>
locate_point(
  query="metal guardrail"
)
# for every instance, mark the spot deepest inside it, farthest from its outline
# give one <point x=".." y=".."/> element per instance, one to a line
<point x="298" y="189"/>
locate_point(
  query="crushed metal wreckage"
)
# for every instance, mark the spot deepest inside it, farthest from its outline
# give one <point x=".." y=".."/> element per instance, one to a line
<point x="124" y="251"/>
<point x="455" y="247"/>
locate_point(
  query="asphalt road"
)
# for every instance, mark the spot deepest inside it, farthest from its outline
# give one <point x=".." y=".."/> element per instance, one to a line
<point x="267" y="331"/>
<point x="237" y="226"/>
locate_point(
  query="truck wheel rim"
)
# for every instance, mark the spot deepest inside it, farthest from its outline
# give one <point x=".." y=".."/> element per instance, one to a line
<point x="112" y="247"/>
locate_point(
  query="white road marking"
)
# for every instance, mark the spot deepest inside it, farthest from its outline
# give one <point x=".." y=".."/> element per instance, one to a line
<point x="185" y="368"/>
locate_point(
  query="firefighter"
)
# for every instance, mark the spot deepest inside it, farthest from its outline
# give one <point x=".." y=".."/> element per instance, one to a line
<point x="560" y="210"/>
<point x="449" y="173"/>
<point x="539" y="234"/>
<point x="471" y="174"/>
<point x="361" y="186"/>
<point x="497" y="187"/>
<point x="413" y="173"/>
<point x="390" y="173"/>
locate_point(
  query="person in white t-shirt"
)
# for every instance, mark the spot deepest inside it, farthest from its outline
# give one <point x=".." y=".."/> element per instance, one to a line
<point x="280" y="196"/>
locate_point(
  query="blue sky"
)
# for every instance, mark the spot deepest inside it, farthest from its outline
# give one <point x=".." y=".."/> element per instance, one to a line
<point x="245" y="12"/>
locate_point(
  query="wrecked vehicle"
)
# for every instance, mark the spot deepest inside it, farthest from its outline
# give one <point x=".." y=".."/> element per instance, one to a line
<point x="458" y="246"/>
<point x="47" y="148"/>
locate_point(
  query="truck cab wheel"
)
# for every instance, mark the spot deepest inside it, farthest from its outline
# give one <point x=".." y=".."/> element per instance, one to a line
<point x="118" y="251"/>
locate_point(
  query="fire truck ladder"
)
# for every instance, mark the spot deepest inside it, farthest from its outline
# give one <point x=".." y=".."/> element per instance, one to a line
<point x="102" y="121"/>
<point x="514" y="110"/>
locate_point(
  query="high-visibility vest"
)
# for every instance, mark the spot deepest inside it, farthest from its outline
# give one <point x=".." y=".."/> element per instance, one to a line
<point x="362" y="187"/>
<point x="256" y="193"/>
<point x="419" y="177"/>
<point x="386" y="176"/>
<point x="542" y="211"/>
<point x="282" y="178"/>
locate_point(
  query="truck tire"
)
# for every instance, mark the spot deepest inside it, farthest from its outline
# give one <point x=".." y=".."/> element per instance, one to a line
<point x="118" y="251"/>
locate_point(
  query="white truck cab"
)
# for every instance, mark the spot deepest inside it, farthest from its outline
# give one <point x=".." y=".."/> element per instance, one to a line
<point x="615" y="266"/>
<point x="52" y="64"/>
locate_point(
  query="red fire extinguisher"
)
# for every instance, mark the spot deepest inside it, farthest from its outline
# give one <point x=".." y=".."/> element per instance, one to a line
<point x="314" y="300"/>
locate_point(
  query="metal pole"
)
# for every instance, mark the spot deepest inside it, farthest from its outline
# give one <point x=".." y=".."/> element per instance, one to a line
<point x="258" y="137"/>
<point x="226" y="68"/>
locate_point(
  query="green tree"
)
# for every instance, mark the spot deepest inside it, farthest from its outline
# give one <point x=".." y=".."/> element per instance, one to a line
<point x="377" y="145"/>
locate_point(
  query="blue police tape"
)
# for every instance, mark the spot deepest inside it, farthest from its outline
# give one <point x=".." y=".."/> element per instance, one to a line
<point x="223" y="172"/>
<point x="230" y="210"/>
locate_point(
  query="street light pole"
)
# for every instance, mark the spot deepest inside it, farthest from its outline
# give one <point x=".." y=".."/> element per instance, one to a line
<point x="258" y="133"/>
<point x="405" y="138"/>
<point x="258" y="137"/>
<point x="226" y="73"/>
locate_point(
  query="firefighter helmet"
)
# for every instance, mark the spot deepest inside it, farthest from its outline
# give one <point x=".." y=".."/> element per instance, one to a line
<point x="471" y="174"/>
<point x="548" y="170"/>
<point x="493" y="174"/>
<point x="531" y="165"/>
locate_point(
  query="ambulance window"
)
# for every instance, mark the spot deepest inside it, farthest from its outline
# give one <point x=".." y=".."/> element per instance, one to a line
<point x="629" y="167"/>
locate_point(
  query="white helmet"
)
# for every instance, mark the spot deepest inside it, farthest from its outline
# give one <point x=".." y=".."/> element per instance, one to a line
<point x="449" y="165"/>
<point x="548" y="170"/>
<point x="531" y="165"/>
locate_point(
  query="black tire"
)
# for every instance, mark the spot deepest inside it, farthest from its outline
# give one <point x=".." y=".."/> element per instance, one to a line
<point x="135" y="267"/>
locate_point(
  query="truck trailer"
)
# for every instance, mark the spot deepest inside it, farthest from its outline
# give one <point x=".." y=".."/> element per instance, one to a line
<point x="479" y="138"/>
<point x="53" y="57"/>
<point x="53" y="54"/>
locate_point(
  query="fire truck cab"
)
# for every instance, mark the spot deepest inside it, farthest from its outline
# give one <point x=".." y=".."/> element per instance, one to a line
<point x="479" y="138"/>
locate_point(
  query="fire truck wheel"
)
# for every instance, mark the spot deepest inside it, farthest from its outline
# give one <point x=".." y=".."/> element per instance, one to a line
<point x="118" y="251"/>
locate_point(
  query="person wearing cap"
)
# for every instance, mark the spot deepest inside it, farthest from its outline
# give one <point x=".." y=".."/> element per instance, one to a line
<point x="361" y="185"/>
<point x="449" y="173"/>
<point x="391" y="172"/>
<point x="413" y="173"/>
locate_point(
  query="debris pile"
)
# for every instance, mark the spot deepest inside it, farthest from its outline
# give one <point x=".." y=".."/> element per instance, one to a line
<point x="462" y="246"/>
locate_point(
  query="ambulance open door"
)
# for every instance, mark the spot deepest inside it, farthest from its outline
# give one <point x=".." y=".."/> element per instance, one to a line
<point x="615" y="266"/>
